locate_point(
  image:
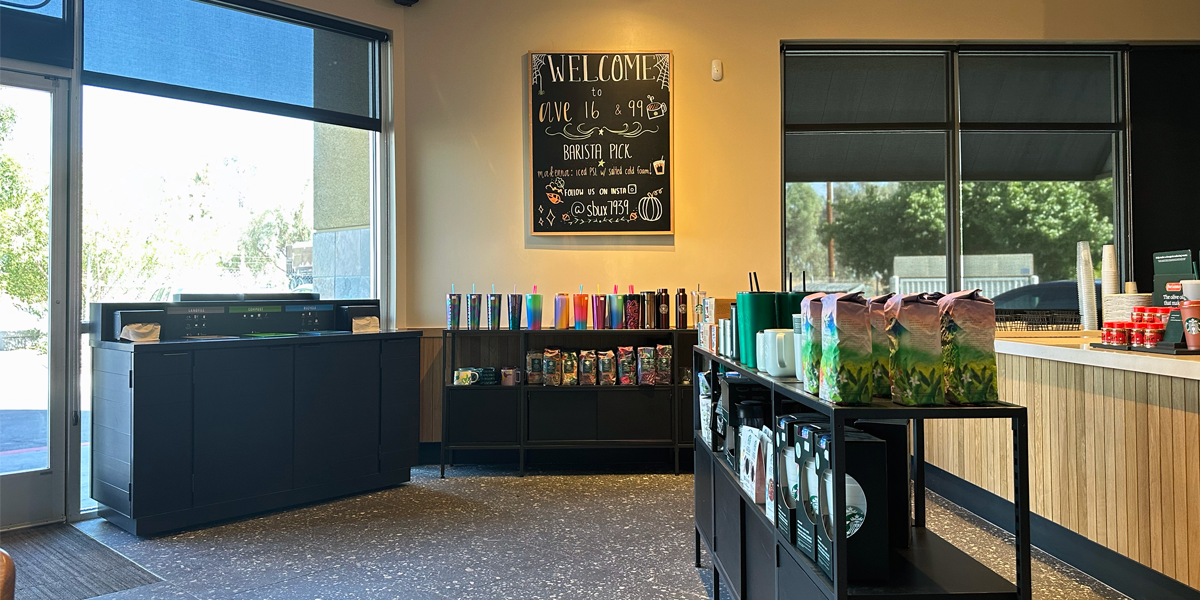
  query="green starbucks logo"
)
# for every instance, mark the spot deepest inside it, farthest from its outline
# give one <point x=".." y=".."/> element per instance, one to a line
<point x="1192" y="325"/>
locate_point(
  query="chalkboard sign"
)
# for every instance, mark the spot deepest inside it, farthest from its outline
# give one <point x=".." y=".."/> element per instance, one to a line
<point x="600" y="143"/>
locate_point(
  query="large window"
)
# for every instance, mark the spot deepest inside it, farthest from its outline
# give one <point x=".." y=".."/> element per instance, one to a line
<point x="244" y="156"/>
<point x="936" y="169"/>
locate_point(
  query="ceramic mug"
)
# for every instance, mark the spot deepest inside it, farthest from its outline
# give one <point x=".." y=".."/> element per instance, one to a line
<point x="466" y="376"/>
<point x="510" y="376"/>
<point x="778" y="352"/>
<point x="489" y="376"/>
<point x="760" y="350"/>
<point x="797" y="329"/>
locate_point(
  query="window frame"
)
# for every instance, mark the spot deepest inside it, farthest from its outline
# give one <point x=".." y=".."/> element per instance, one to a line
<point x="953" y="128"/>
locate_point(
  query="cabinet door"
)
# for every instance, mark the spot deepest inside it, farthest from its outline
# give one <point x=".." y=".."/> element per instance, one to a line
<point x="759" y="555"/>
<point x="792" y="581"/>
<point x="243" y="423"/>
<point x="162" y="433"/>
<point x="400" y="403"/>
<point x="634" y="414"/>
<point x="703" y="486"/>
<point x="337" y="411"/>
<point x="727" y="521"/>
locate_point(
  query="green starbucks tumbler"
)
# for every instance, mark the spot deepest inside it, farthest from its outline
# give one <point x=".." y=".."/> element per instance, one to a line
<point x="756" y="312"/>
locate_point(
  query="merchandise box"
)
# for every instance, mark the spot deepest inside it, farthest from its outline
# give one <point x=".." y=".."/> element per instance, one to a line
<point x="866" y="518"/>
<point x="808" y="469"/>
<point x="895" y="433"/>
<point x="787" y="472"/>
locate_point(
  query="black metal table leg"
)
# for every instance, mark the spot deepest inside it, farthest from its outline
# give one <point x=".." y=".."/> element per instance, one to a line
<point x="1021" y="503"/>
<point x="918" y="475"/>
<point x="716" y="583"/>
<point x="697" y="547"/>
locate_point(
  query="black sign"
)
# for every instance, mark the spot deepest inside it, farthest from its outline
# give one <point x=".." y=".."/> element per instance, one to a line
<point x="600" y="142"/>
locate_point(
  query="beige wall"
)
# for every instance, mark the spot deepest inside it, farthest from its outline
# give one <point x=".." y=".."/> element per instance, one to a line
<point x="461" y="164"/>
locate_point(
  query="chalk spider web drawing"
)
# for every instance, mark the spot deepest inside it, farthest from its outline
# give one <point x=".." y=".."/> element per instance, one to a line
<point x="663" y="64"/>
<point x="536" y="68"/>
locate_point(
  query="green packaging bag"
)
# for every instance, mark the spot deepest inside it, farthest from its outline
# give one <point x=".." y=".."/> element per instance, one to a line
<point x="881" y="370"/>
<point x="915" y="350"/>
<point x="809" y="331"/>
<point x="845" y="349"/>
<point x="968" y="337"/>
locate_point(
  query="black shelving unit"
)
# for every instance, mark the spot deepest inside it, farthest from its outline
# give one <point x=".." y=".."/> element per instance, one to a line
<point x="576" y="417"/>
<point x="759" y="563"/>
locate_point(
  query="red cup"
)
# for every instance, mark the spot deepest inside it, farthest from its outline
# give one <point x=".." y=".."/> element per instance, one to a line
<point x="1189" y="312"/>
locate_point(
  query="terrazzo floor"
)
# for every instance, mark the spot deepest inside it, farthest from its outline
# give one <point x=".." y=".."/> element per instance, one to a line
<point x="483" y="533"/>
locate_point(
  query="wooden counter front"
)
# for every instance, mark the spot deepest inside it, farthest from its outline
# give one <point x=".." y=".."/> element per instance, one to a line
<point x="1114" y="452"/>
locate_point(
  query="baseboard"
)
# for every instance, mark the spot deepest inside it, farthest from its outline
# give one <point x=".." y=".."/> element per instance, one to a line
<point x="427" y="454"/>
<point x="1119" y="572"/>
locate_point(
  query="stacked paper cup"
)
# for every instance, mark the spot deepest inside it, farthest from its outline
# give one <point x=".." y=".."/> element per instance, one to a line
<point x="1085" y="279"/>
<point x="1110" y="279"/>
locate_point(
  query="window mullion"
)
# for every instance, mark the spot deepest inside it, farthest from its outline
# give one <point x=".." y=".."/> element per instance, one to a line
<point x="953" y="182"/>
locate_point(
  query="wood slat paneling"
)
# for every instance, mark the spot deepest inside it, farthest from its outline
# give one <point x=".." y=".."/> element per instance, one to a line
<point x="1114" y="456"/>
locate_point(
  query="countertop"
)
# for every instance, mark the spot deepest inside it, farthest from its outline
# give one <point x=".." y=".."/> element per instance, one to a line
<point x="1077" y="350"/>
<point x="212" y="344"/>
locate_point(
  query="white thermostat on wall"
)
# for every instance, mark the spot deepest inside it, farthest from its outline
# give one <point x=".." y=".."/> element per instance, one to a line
<point x="718" y="70"/>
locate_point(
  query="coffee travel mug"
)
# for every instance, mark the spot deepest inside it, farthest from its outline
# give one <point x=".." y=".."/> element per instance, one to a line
<point x="494" y="307"/>
<point x="453" y="310"/>
<point x="649" y="310"/>
<point x="474" y="304"/>
<point x="562" y="311"/>
<point x="581" y="310"/>
<point x="616" y="311"/>
<point x="533" y="310"/>
<point x="599" y="318"/>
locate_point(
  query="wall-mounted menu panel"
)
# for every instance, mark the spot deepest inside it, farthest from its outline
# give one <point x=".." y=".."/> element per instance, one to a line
<point x="600" y="143"/>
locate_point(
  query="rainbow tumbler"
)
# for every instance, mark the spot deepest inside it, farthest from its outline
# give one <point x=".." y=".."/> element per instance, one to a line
<point x="562" y="311"/>
<point x="580" y="301"/>
<point x="453" y="310"/>
<point x="533" y="310"/>
<point x="616" y="311"/>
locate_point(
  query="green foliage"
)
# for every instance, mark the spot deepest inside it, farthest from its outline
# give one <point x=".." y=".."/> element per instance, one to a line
<point x="263" y="245"/>
<point x="24" y="232"/>
<point x="876" y="222"/>
<point x="803" y="209"/>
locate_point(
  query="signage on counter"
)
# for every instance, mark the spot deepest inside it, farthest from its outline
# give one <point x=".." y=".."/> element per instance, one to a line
<point x="1169" y="269"/>
<point x="600" y="143"/>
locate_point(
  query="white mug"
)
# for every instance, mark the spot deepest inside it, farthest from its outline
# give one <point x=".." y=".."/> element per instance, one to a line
<point x="760" y="351"/>
<point x="797" y="370"/>
<point x="1190" y="289"/>
<point x="778" y="352"/>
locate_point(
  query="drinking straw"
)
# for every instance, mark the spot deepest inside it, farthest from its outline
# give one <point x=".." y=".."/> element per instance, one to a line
<point x="452" y="288"/>
<point x="750" y="276"/>
<point x="631" y="288"/>
<point x="789" y="281"/>
<point x="493" y="288"/>
<point x="472" y="288"/>
<point x="535" y="288"/>
<point x="614" y="288"/>
<point x="804" y="281"/>
<point x="757" y="288"/>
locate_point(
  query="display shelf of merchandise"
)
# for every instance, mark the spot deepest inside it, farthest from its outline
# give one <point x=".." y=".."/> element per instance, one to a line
<point x="930" y="568"/>
<point x="565" y="417"/>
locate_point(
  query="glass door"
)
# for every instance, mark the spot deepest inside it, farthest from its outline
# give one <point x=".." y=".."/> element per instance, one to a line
<point x="33" y="299"/>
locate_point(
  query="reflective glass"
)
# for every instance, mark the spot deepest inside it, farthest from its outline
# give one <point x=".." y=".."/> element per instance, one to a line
<point x="864" y="88"/>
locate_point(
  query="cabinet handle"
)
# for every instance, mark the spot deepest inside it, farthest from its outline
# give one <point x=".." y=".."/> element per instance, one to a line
<point x="175" y="354"/>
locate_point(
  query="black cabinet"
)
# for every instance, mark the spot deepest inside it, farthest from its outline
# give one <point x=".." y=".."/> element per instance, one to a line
<point x="703" y="485"/>
<point x="243" y="423"/>
<point x="399" y="403"/>
<point x="186" y="433"/>
<point x="566" y="417"/>
<point x="337" y="411"/>
<point x="163" y="432"/>
<point x="793" y="583"/>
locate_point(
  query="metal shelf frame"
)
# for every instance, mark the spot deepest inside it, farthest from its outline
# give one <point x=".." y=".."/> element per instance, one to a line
<point x="839" y="587"/>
